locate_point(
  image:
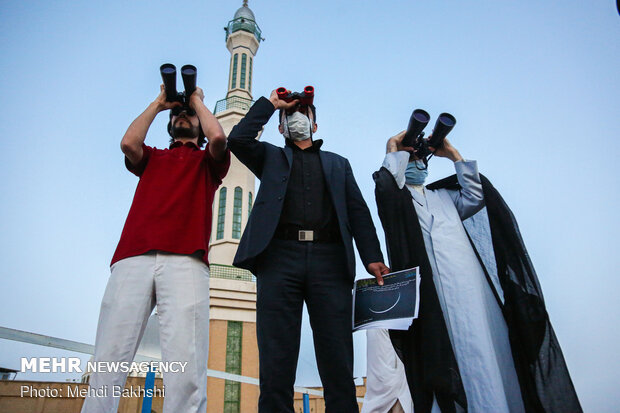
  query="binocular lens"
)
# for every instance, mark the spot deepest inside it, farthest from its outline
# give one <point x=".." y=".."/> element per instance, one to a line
<point x="447" y="119"/>
<point x="188" y="70"/>
<point x="168" y="69"/>
<point x="421" y="116"/>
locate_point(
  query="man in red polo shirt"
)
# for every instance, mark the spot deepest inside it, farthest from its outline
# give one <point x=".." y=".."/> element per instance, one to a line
<point x="161" y="257"/>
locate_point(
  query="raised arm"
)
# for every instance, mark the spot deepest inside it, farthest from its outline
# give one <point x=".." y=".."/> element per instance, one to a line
<point x="210" y="125"/>
<point x="132" y="141"/>
<point x="242" y="139"/>
<point x="469" y="199"/>
<point x="397" y="157"/>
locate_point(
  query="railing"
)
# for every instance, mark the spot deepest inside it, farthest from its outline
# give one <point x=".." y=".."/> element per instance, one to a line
<point x="231" y="273"/>
<point x="233" y="102"/>
<point x="246" y="25"/>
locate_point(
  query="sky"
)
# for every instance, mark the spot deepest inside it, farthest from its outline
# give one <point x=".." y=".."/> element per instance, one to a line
<point x="534" y="87"/>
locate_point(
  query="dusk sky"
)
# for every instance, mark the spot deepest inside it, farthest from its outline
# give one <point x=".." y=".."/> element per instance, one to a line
<point x="534" y="87"/>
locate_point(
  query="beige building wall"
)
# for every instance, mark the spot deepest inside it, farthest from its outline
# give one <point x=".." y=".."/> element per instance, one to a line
<point x="232" y="300"/>
<point x="249" y="368"/>
<point x="217" y="361"/>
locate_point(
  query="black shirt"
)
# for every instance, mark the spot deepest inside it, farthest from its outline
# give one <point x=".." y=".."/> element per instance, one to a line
<point x="307" y="204"/>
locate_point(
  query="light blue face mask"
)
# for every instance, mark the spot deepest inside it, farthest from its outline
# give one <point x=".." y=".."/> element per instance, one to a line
<point x="414" y="175"/>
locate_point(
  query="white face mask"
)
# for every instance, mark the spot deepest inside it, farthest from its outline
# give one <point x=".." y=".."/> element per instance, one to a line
<point x="296" y="127"/>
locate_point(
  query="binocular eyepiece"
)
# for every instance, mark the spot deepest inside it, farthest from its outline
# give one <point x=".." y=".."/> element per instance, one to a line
<point x="414" y="136"/>
<point x="169" y="76"/>
<point x="305" y="98"/>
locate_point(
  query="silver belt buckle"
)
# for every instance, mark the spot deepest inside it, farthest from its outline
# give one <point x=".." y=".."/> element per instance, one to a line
<point x="305" y="235"/>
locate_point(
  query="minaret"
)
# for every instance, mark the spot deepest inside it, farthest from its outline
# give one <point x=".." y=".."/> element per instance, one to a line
<point x="232" y="306"/>
<point x="233" y="200"/>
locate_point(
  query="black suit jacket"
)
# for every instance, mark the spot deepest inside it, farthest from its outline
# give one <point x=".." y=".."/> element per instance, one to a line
<point x="272" y="165"/>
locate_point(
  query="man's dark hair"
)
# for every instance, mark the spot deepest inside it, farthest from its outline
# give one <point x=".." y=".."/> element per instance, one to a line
<point x="312" y="108"/>
<point x="201" y="136"/>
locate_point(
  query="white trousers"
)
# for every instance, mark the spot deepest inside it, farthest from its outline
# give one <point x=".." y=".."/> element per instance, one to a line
<point x="387" y="390"/>
<point x="179" y="285"/>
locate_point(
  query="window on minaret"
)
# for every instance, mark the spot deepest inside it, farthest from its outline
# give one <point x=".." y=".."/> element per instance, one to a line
<point x="232" y="389"/>
<point x="236" y="232"/>
<point x="221" y="214"/>
<point x="249" y="204"/>
<point x="233" y="83"/>
<point x="244" y="59"/>
<point x="250" y="76"/>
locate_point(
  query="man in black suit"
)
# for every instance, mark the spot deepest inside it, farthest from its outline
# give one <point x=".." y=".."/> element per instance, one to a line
<point x="298" y="242"/>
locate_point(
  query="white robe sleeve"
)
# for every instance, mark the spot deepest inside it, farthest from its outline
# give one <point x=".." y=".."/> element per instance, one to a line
<point x="396" y="163"/>
<point x="469" y="199"/>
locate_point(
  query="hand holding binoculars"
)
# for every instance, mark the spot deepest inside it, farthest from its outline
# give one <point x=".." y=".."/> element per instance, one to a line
<point x="169" y="76"/>
<point x="414" y="137"/>
<point x="305" y="98"/>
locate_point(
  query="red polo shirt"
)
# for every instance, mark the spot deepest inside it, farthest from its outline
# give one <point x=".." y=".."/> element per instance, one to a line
<point x="172" y="206"/>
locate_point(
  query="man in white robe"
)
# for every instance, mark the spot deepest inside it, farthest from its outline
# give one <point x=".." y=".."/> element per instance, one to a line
<point x="477" y="329"/>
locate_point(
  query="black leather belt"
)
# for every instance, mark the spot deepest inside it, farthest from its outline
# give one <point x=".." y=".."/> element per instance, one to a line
<point x="294" y="233"/>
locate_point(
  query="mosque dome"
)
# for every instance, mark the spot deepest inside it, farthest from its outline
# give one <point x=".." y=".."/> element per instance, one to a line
<point x="244" y="20"/>
<point x="244" y="12"/>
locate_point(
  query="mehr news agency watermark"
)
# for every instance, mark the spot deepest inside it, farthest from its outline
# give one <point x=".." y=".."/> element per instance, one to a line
<point x="74" y="365"/>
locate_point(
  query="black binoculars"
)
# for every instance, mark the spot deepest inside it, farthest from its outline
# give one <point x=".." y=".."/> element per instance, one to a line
<point x="414" y="137"/>
<point x="169" y="76"/>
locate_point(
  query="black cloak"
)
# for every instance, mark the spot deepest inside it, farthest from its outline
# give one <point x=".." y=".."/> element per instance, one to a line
<point x="425" y="349"/>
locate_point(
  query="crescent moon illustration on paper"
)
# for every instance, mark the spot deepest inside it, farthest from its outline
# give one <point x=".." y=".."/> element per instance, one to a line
<point x="385" y="311"/>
